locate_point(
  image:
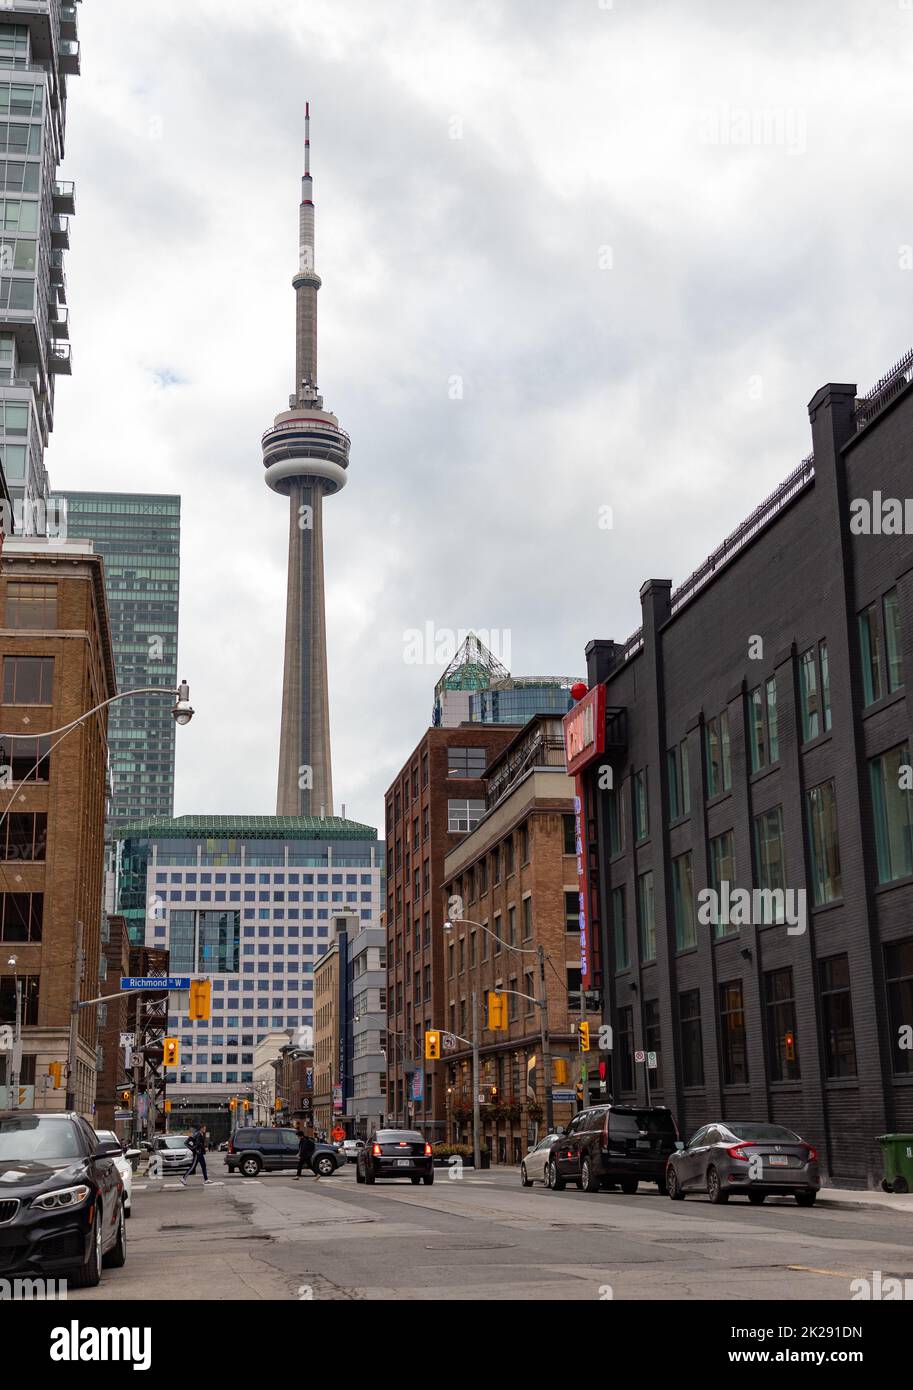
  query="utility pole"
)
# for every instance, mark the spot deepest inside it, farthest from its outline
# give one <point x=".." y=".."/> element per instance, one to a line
<point x="476" y="1146"/>
<point x="16" y="1055"/>
<point x="546" y="1045"/>
<point x="73" y="1053"/>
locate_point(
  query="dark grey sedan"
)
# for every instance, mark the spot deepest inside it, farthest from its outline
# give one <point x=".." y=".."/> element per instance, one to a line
<point x="752" y="1160"/>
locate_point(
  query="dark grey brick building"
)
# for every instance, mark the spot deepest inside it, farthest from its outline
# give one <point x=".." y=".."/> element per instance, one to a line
<point x="758" y="731"/>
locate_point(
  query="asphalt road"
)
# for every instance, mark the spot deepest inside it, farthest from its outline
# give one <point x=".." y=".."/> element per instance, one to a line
<point x="485" y="1237"/>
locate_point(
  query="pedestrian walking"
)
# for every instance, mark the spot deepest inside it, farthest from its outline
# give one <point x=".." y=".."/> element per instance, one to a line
<point x="197" y="1146"/>
<point x="306" y="1148"/>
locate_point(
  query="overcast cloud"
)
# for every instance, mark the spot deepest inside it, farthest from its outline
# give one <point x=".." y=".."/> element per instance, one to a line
<point x="641" y="235"/>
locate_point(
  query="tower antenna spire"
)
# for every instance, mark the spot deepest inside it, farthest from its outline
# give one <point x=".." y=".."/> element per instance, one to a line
<point x="307" y="139"/>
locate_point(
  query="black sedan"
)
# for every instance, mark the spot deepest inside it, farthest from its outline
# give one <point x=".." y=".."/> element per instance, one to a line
<point x="395" y="1153"/>
<point x="61" y="1198"/>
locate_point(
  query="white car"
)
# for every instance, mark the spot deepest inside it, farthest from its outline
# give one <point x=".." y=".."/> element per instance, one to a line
<point x="123" y="1164"/>
<point x="351" y="1147"/>
<point x="534" y="1167"/>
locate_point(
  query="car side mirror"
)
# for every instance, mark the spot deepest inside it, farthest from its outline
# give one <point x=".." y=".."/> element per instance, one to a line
<point x="109" y="1149"/>
<point x="679" y="1143"/>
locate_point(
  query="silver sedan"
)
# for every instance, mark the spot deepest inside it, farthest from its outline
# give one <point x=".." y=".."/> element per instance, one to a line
<point x="753" y="1160"/>
<point x="534" y="1167"/>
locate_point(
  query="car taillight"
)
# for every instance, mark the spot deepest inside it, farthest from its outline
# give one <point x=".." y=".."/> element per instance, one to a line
<point x="812" y="1155"/>
<point x="375" y="1149"/>
<point x="231" y="1146"/>
<point x="738" y="1152"/>
<point x="427" y="1150"/>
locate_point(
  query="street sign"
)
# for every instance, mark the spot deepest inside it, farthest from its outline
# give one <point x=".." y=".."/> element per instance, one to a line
<point x="6" y="1039"/>
<point x="448" y="1042"/>
<point x="155" y="982"/>
<point x="562" y="1095"/>
<point x="640" y="1056"/>
<point x="482" y="1099"/>
<point x="651" y="1059"/>
<point x="128" y="1040"/>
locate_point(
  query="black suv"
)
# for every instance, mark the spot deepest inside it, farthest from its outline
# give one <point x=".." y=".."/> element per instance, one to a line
<point x="251" y="1149"/>
<point x="613" y="1145"/>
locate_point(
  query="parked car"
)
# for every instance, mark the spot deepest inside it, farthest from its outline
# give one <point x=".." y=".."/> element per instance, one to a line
<point x="170" y="1154"/>
<point x="252" y="1150"/>
<point x="351" y="1149"/>
<point x="614" y="1145"/>
<point x="124" y="1161"/>
<point x="755" y="1160"/>
<point x="534" y="1167"/>
<point x="395" y="1153"/>
<point x="61" y="1198"/>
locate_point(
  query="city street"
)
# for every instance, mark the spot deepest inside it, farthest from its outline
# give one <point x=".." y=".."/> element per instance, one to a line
<point x="486" y="1237"/>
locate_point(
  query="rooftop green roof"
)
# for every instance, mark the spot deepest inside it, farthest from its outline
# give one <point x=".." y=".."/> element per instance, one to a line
<point x="245" y="828"/>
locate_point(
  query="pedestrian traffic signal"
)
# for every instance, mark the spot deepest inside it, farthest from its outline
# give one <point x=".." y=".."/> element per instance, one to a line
<point x="432" y="1045"/>
<point x="583" y="1036"/>
<point x="55" y="1069"/>
<point x="578" y="1091"/>
<point x="200" y="996"/>
<point x="560" y="1071"/>
<point x="497" y="1012"/>
<point x="170" y="1052"/>
<point x="125" y="1097"/>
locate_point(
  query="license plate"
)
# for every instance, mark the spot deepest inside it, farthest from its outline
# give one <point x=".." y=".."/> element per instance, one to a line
<point x="643" y="1143"/>
<point x="404" y="1163"/>
<point x="778" y="1161"/>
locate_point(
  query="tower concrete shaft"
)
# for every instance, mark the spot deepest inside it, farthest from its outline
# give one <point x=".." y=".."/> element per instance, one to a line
<point x="306" y="455"/>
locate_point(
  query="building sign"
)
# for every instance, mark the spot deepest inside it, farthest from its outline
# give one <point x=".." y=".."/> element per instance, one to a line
<point x="584" y="730"/>
<point x="582" y="888"/>
<point x="417" y="1089"/>
<point x="337" y="1100"/>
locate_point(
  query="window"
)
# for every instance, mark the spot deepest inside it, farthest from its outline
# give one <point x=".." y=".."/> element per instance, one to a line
<point x="683" y="886"/>
<point x="780" y="1017"/>
<point x="23" y="835"/>
<point x="685" y="770"/>
<point x="524" y="844"/>
<point x="31" y="605"/>
<point x="626" y="1049"/>
<point x="511" y="926"/>
<point x="898" y="969"/>
<point x="653" y="1039"/>
<point x="616" y="823"/>
<point x="29" y="1013"/>
<point x="509" y="855"/>
<point x="21" y="916"/>
<point x="763" y="734"/>
<point x="641" y="806"/>
<point x="892" y="809"/>
<point x="689" y="1013"/>
<point x="722" y="871"/>
<point x="645" y="909"/>
<point x="619" y="928"/>
<point x="732" y="1034"/>
<point x="527" y="910"/>
<point x="773" y="728"/>
<point x="27" y="680"/>
<point x="570" y="834"/>
<point x="870" y="653"/>
<point x="892" y="637"/>
<point x="719" y="766"/>
<point x="571" y="912"/>
<point x="463" y="816"/>
<point x="837" y="1017"/>
<point x="466" y="762"/>
<point x="672" y="778"/>
<point x="496" y="866"/>
<point x="769" y="857"/>
<point x="823" y="843"/>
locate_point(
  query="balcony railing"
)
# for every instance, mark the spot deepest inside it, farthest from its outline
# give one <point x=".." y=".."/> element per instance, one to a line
<point x="69" y="57"/>
<point x="884" y="391"/>
<point x="61" y="358"/>
<point x="60" y="233"/>
<point x="64" y="196"/>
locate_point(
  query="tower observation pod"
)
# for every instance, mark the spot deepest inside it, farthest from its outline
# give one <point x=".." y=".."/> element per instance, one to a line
<point x="305" y="455"/>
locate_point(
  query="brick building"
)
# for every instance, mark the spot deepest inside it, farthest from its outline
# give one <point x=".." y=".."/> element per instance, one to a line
<point x="329" y="1029"/>
<point x="57" y="664"/>
<point x="435" y="799"/>
<point x="113" y="1019"/>
<point x="758" y="730"/>
<point x="513" y="880"/>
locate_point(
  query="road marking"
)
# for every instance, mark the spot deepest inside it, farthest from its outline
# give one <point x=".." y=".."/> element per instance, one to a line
<point x="808" y="1269"/>
<point x="139" y="1187"/>
<point x="256" y="1181"/>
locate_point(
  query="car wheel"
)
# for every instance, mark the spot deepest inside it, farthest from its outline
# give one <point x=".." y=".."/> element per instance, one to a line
<point x="807" y="1199"/>
<point x="88" y="1274"/>
<point x="672" y="1186"/>
<point x="555" y="1181"/>
<point x="369" y="1177"/>
<point x="588" y="1179"/>
<point x="524" y="1176"/>
<point x="661" y="1185"/>
<point x="326" y="1166"/>
<point x="757" y="1199"/>
<point x="358" y="1174"/>
<point x="629" y="1186"/>
<point x="715" y="1190"/>
<point x="428" y="1179"/>
<point x="250" y="1167"/>
<point x="116" y="1257"/>
<point x="128" y="1210"/>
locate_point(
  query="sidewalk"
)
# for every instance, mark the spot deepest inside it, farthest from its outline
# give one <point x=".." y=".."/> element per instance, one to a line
<point x="863" y="1197"/>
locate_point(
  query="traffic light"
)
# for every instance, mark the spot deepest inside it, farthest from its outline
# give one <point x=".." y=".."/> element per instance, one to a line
<point x="245" y="1104"/>
<point x="170" y="1052"/>
<point x="497" y="1012"/>
<point x="167" y="1107"/>
<point x="233" y="1103"/>
<point x="277" y="1103"/>
<point x="432" y="1045"/>
<point x="55" y="1069"/>
<point x="583" y="1036"/>
<point x="578" y="1092"/>
<point x="200" y="996"/>
<point x="561" y="1071"/>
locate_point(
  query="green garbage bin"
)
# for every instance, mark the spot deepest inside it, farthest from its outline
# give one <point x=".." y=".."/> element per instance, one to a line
<point x="897" y="1154"/>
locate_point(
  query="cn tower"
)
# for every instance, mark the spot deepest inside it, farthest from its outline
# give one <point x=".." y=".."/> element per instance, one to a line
<point x="305" y="455"/>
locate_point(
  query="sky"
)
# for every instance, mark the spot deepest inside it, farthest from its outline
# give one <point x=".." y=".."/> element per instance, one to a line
<point x="584" y="265"/>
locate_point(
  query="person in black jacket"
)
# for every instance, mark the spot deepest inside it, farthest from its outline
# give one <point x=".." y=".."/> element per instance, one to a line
<point x="306" y="1147"/>
<point x="197" y="1146"/>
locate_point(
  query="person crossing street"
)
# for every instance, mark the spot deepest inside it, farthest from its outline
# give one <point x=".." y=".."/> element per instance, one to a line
<point x="306" y="1148"/>
<point x="197" y="1146"/>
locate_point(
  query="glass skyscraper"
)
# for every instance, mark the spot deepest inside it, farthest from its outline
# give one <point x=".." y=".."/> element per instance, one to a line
<point x="39" y="51"/>
<point x="139" y="536"/>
